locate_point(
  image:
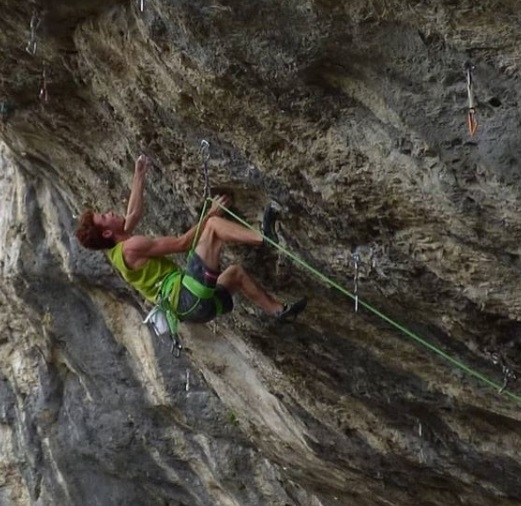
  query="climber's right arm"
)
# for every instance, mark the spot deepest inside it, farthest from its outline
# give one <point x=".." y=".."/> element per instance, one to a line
<point x="140" y="248"/>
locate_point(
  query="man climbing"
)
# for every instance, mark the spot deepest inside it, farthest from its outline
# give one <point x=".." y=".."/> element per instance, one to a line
<point x="203" y="292"/>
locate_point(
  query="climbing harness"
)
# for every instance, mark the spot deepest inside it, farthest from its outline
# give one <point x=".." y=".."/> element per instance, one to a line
<point x="472" y="122"/>
<point x="164" y="318"/>
<point x="33" y="27"/>
<point x="481" y="377"/>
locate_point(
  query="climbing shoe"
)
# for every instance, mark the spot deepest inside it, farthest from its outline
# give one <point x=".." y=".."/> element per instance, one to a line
<point x="268" y="225"/>
<point x="290" y="311"/>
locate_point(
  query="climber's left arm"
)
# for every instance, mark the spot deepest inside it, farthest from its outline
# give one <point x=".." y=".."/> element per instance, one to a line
<point x="135" y="201"/>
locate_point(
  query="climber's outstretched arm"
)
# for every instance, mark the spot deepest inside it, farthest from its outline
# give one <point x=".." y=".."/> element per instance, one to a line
<point x="135" y="201"/>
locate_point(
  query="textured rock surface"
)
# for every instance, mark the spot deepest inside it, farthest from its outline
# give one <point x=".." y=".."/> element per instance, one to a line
<point x="351" y="115"/>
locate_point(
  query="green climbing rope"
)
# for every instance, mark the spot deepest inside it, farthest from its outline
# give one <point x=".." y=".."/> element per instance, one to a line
<point x="375" y="311"/>
<point x="198" y="229"/>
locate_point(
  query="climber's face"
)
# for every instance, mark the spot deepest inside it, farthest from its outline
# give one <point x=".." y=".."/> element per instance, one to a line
<point x="111" y="223"/>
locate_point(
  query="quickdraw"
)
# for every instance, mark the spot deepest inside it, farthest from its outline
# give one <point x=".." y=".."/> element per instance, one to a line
<point x="33" y="27"/>
<point x="472" y="122"/>
<point x="205" y="155"/>
<point x="356" y="262"/>
<point x="363" y="257"/>
<point x="509" y="374"/>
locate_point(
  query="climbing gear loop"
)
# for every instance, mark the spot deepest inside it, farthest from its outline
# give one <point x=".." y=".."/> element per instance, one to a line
<point x="472" y="122"/>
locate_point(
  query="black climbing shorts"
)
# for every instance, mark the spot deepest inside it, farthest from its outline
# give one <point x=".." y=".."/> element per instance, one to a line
<point x="205" y="309"/>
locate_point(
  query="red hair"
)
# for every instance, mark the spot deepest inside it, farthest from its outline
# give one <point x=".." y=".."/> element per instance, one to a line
<point x="90" y="235"/>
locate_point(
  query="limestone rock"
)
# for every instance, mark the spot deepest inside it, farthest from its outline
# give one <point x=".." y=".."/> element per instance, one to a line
<point x="352" y="117"/>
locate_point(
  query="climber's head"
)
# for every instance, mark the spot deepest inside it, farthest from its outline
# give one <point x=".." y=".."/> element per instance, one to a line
<point x="100" y="231"/>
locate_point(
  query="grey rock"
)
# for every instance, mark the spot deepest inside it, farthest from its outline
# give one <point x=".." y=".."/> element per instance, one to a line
<point x="352" y="117"/>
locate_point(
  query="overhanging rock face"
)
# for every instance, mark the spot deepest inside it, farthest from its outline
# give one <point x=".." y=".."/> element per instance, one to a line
<point x="352" y="117"/>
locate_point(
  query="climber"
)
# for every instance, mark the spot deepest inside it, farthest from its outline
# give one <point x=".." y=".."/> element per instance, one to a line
<point x="204" y="292"/>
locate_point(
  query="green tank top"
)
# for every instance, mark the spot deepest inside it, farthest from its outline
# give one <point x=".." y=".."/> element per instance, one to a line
<point x="145" y="279"/>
